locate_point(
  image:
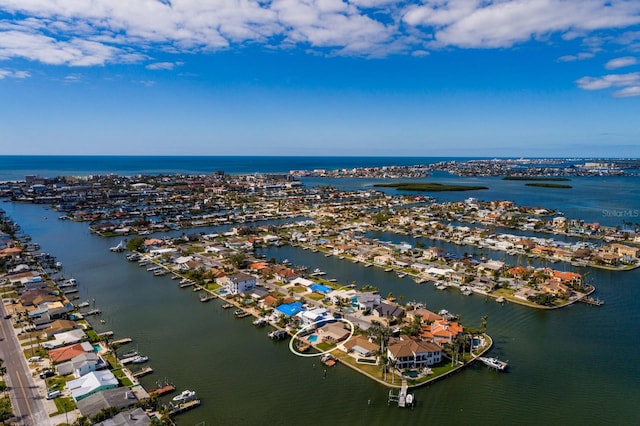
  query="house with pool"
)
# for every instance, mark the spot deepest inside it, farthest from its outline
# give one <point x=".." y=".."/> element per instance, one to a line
<point x="408" y="353"/>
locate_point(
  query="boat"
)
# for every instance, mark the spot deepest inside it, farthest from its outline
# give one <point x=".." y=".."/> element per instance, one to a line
<point x="184" y="396"/>
<point x="402" y="275"/>
<point x="328" y="360"/>
<point x="140" y="359"/>
<point x="227" y="305"/>
<point x="118" y="248"/>
<point x="409" y="399"/>
<point x="494" y="363"/>
<point x="130" y="354"/>
<point x="277" y="334"/>
<point x="241" y="313"/>
<point x="82" y="305"/>
<point x="259" y="322"/>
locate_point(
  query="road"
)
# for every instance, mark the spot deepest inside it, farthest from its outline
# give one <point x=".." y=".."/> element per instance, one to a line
<point x="26" y="397"/>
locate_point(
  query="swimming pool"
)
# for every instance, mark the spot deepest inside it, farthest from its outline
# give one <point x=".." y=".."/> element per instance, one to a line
<point x="313" y="338"/>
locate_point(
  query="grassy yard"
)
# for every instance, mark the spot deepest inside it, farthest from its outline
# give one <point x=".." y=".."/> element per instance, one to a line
<point x="316" y="296"/>
<point x="122" y="377"/>
<point x="64" y="405"/>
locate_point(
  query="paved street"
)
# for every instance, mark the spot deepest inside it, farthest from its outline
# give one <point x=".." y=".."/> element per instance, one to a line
<point x="27" y="398"/>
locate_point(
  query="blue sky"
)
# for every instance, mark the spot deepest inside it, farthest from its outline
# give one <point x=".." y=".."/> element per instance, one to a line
<point x="320" y="77"/>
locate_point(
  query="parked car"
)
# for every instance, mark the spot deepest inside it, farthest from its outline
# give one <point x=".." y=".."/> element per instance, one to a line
<point x="53" y="394"/>
<point x="35" y="359"/>
<point x="47" y="373"/>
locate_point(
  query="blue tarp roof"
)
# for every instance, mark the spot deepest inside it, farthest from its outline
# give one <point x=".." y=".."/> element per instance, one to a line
<point x="320" y="288"/>
<point x="290" y="309"/>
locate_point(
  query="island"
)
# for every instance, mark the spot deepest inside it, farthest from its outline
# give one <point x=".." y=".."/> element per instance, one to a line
<point x="428" y="187"/>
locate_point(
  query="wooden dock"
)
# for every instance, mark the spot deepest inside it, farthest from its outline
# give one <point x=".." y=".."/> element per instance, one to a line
<point x="122" y="341"/>
<point x="163" y="390"/>
<point x="181" y="408"/>
<point x="187" y="284"/>
<point x="142" y="372"/>
<point x="93" y="312"/>
<point x="591" y="301"/>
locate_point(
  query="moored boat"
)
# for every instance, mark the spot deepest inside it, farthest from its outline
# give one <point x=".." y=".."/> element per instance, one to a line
<point x="184" y="396"/>
<point x="494" y="363"/>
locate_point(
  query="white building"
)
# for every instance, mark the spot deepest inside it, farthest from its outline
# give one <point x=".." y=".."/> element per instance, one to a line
<point x="239" y="283"/>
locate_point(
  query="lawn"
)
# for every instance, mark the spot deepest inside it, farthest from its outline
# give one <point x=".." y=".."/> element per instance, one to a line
<point x="64" y="405"/>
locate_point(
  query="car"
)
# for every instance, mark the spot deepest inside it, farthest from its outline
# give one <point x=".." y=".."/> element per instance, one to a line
<point x="8" y="316"/>
<point x="35" y="359"/>
<point x="47" y="373"/>
<point x="53" y="394"/>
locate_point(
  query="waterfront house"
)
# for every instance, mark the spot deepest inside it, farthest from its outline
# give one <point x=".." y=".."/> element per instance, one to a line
<point x="285" y="274"/>
<point x="333" y="332"/>
<point x="36" y="297"/>
<point x="425" y="315"/>
<point x="59" y="326"/>
<point x="131" y="417"/>
<point x="317" y="317"/>
<point x="389" y="312"/>
<point x="238" y="283"/>
<point x="117" y="397"/>
<point x="66" y="353"/>
<point x="82" y="364"/>
<point x="408" y="353"/>
<point x="91" y="383"/>
<point x="359" y="347"/>
<point x="442" y="331"/>
<point x="46" y="312"/>
<point x="66" y="338"/>
<point x="368" y="301"/>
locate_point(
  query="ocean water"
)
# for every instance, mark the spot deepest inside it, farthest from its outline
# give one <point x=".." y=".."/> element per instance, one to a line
<point x="16" y="167"/>
<point x="576" y="365"/>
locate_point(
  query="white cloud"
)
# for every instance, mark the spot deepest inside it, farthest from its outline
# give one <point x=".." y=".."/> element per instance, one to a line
<point x="13" y="74"/>
<point x="163" y="65"/>
<point x="96" y="32"/>
<point x="608" y="81"/>
<point x="578" y="57"/>
<point x="621" y="62"/>
<point x="627" y="92"/>
<point x="489" y="24"/>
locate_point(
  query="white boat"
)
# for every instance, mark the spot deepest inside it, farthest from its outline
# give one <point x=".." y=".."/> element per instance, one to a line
<point x="185" y="396"/>
<point x="494" y="363"/>
<point x="259" y="322"/>
<point x="130" y="354"/>
<point x="409" y="399"/>
<point x="140" y="359"/>
<point x="119" y="247"/>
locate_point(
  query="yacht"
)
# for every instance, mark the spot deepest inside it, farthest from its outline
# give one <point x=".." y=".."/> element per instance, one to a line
<point x="494" y="363"/>
<point x="185" y="396"/>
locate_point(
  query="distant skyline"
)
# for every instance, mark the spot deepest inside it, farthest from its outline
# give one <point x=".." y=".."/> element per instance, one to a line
<point x="468" y="78"/>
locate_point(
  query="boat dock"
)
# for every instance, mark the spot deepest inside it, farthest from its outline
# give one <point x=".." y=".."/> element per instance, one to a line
<point x="591" y="301"/>
<point x="181" y="408"/>
<point x="122" y="341"/>
<point x="142" y="372"/>
<point x="402" y="398"/>
<point x="162" y="390"/>
<point x="186" y="284"/>
<point x="206" y="298"/>
<point x="93" y="312"/>
<point x="106" y="334"/>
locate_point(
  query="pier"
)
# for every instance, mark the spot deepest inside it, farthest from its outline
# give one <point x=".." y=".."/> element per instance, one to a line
<point x="162" y="390"/>
<point x="592" y="301"/>
<point x="122" y="341"/>
<point x="93" y="312"/>
<point x="142" y="372"/>
<point x="181" y="408"/>
<point x="403" y="398"/>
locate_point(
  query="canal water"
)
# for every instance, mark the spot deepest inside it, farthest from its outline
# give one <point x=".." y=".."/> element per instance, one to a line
<point x="576" y="365"/>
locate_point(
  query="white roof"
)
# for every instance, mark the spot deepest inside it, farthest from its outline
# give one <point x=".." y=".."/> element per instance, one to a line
<point x="90" y="382"/>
